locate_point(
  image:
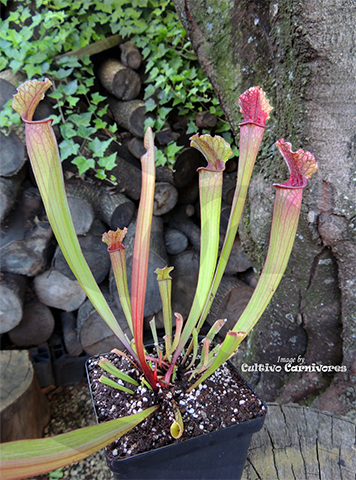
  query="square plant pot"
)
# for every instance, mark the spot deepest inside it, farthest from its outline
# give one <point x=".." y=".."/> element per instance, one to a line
<point x="217" y="455"/>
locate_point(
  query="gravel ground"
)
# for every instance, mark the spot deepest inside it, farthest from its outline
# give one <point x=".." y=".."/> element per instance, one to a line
<point x="71" y="408"/>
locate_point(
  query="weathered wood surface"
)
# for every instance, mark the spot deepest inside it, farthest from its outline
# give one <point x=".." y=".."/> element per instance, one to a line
<point x="300" y="443"/>
<point x="24" y="409"/>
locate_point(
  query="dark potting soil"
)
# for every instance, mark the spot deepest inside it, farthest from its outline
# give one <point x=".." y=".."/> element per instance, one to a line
<point x="221" y="401"/>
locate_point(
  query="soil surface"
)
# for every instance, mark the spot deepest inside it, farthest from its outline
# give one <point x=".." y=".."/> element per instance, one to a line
<point x="221" y="401"/>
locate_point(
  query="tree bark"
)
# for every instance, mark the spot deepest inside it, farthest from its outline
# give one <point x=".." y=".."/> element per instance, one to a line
<point x="302" y="55"/>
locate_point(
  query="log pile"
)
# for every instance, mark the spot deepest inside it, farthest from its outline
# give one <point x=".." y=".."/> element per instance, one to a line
<point x="39" y="294"/>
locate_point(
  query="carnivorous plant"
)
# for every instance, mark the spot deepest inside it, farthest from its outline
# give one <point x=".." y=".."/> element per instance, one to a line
<point x="45" y="454"/>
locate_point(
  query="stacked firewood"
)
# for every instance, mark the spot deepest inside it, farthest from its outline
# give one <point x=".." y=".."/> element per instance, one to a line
<point x="39" y="295"/>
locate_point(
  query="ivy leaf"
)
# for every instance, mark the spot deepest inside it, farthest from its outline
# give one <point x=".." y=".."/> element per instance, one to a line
<point x="67" y="148"/>
<point x="83" y="164"/>
<point x="70" y="88"/>
<point x="108" y="163"/>
<point x="99" y="147"/>
<point x="67" y="130"/>
<point x="97" y="98"/>
<point x="150" y="105"/>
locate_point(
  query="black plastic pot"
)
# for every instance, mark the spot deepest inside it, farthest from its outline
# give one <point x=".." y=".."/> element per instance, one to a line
<point x="217" y="455"/>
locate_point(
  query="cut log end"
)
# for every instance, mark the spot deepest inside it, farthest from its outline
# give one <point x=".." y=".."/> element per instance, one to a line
<point x="35" y="328"/>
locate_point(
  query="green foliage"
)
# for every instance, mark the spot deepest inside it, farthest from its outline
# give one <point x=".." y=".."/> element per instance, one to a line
<point x="35" y="34"/>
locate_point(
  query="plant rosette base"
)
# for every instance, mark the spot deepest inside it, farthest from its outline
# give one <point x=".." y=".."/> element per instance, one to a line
<point x="219" y="417"/>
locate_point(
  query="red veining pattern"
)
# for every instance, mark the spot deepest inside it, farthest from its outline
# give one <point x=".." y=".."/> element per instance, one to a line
<point x="301" y="165"/>
<point x="255" y="106"/>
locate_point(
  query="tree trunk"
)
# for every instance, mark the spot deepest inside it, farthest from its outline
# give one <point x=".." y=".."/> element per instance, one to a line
<point x="128" y="178"/>
<point x="231" y="299"/>
<point x="80" y="196"/>
<point x="302" y="55"/>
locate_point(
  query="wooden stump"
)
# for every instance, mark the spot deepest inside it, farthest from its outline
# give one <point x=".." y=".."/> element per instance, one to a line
<point x="136" y="147"/>
<point x="129" y="115"/>
<point x="166" y="136"/>
<point x="130" y="55"/>
<point x="238" y="261"/>
<point x="24" y="409"/>
<point x="12" y="292"/>
<point x="189" y="194"/>
<point x="302" y="443"/>
<point x="119" y="80"/>
<point x="35" y="328"/>
<point x="228" y="189"/>
<point x="58" y="291"/>
<point x="7" y="91"/>
<point x="12" y="154"/>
